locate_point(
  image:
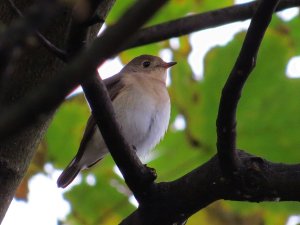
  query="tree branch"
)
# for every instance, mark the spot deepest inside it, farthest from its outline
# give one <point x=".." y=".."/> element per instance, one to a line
<point x="178" y="200"/>
<point x="226" y="121"/>
<point x="201" y="21"/>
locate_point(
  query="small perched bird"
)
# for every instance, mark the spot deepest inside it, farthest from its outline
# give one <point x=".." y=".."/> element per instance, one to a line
<point x="142" y="108"/>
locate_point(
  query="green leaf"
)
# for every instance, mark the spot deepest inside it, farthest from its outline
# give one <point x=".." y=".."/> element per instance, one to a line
<point x="107" y="199"/>
<point x="64" y="134"/>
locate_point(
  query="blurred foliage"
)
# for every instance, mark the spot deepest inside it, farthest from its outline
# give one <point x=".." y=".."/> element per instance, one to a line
<point x="268" y="124"/>
<point x="174" y="9"/>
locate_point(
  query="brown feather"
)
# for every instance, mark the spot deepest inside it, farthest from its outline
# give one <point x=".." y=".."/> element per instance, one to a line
<point x="114" y="85"/>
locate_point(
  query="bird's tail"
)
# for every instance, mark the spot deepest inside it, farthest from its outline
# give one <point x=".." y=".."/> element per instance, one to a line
<point x="68" y="175"/>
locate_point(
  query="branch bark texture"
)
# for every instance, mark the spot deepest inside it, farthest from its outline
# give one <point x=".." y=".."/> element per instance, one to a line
<point x="175" y="201"/>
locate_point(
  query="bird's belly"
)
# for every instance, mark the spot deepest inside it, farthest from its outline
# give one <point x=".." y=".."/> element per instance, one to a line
<point x="143" y="121"/>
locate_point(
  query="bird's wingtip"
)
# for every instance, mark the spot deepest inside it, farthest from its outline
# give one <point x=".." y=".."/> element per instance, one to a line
<point x="67" y="176"/>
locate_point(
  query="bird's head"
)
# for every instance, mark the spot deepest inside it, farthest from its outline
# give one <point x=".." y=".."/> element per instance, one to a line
<point x="148" y="65"/>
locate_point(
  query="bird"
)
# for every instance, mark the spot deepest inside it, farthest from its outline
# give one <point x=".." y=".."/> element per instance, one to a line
<point x="142" y="107"/>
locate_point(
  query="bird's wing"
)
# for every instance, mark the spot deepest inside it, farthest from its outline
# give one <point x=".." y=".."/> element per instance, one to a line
<point x="114" y="85"/>
<point x="88" y="133"/>
<point x="74" y="167"/>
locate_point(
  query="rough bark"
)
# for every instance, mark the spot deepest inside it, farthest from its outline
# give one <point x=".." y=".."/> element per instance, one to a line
<point x="260" y="181"/>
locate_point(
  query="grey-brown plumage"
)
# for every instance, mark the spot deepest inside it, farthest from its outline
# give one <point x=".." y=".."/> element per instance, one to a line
<point x="142" y="108"/>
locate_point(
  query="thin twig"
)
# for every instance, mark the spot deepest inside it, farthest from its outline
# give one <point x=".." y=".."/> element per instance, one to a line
<point x="42" y="39"/>
<point x="226" y="121"/>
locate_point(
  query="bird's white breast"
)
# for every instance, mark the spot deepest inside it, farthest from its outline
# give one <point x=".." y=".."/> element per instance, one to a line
<point x="143" y="115"/>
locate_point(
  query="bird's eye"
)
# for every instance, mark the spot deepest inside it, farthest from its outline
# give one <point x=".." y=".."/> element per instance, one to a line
<point x="146" y="64"/>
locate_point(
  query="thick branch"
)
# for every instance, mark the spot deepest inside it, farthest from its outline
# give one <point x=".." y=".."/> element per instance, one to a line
<point x="201" y="21"/>
<point x="177" y="200"/>
<point x="226" y="121"/>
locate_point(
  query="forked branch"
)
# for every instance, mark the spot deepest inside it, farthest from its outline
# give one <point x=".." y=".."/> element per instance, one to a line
<point x="226" y="121"/>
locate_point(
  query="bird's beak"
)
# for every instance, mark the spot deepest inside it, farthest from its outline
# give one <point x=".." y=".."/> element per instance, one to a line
<point x="169" y="64"/>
